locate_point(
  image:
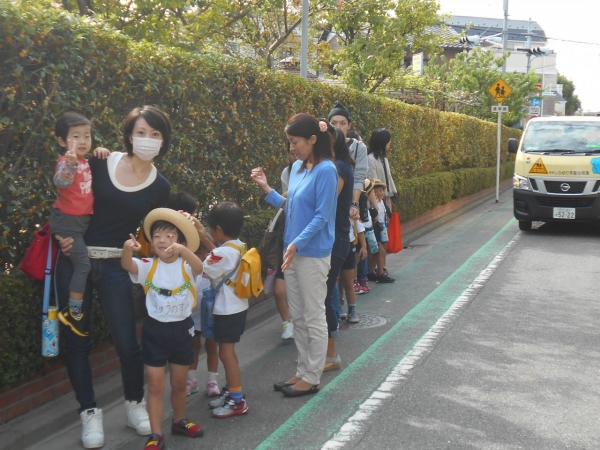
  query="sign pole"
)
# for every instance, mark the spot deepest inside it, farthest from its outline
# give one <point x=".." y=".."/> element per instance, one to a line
<point x="498" y="155"/>
<point x="500" y="91"/>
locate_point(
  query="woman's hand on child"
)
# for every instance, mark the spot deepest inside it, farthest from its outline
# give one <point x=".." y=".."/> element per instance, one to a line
<point x="101" y="152"/>
<point x="66" y="244"/>
<point x="259" y="177"/>
<point x="132" y="244"/>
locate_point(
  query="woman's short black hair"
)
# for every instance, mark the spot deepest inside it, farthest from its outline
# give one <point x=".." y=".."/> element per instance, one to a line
<point x="155" y="118"/>
<point x="304" y="125"/>
<point x="68" y="120"/>
<point x="379" y="140"/>
<point x="228" y="216"/>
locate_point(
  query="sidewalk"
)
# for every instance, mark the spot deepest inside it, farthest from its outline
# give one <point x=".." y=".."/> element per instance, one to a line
<point x="56" y="425"/>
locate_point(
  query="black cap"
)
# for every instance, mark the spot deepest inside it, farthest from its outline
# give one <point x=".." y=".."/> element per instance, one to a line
<point x="339" y="110"/>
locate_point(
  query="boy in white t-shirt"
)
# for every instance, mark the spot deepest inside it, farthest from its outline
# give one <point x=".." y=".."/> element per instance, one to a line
<point x="225" y="221"/>
<point x="169" y="280"/>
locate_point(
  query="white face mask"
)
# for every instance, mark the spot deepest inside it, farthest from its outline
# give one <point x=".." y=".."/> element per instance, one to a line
<point x="146" y="148"/>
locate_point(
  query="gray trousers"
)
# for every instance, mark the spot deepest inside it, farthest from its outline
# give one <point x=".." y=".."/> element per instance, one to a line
<point x="66" y="225"/>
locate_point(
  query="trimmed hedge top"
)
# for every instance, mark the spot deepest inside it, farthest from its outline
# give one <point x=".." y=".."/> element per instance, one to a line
<point x="228" y="116"/>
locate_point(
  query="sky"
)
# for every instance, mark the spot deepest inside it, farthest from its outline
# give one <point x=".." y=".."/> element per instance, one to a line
<point x="572" y="25"/>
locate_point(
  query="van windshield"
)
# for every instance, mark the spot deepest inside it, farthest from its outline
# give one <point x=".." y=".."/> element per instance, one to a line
<point x="568" y="136"/>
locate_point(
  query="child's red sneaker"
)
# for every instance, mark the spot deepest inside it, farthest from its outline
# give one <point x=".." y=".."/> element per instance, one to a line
<point x="155" y="442"/>
<point x="187" y="428"/>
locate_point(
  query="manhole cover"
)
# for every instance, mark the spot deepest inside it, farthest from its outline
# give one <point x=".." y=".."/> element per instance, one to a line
<point x="368" y="321"/>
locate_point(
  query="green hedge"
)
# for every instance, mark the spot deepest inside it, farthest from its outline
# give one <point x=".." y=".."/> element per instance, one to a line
<point x="21" y="333"/>
<point x="228" y="116"/>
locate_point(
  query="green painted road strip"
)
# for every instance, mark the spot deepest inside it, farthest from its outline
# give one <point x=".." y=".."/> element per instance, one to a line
<point x="414" y="324"/>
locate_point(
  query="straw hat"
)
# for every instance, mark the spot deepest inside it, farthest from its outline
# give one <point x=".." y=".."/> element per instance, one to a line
<point x="378" y="182"/>
<point x="368" y="185"/>
<point x="176" y="218"/>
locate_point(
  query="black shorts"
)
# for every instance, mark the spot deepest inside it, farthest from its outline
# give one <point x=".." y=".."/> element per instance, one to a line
<point x="229" y="329"/>
<point x="279" y="274"/>
<point x="171" y="342"/>
<point x="350" y="262"/>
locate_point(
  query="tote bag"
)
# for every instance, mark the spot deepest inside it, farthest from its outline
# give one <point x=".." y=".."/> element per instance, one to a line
<point x="394" y="234"/>
<point x="271" y="246"/>
<point x="36" y="257"/>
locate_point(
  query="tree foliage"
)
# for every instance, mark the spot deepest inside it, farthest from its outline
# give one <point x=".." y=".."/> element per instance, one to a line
<point x="461" y="84"/>
<point x="375" y="36"/>
<point x="573" y="102"/>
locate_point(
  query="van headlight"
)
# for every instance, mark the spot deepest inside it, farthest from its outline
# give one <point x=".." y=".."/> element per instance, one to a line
<point x="521" y="183"/>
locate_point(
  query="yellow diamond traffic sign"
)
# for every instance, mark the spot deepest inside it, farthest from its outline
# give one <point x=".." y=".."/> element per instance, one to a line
<point x="500" y="90"/>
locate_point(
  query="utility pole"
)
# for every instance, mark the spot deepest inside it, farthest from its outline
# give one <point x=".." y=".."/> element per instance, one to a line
<point x="528" y="47"/>
<point x="505" y="35"/>
<point x="304" y="42"/>
<point x="504" y="47"/>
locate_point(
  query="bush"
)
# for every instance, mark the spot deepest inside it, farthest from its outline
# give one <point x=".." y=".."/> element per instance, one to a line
<point x="21" y="301"/>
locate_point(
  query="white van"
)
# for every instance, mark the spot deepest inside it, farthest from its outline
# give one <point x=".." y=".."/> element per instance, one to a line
<point x="557" y="170"/>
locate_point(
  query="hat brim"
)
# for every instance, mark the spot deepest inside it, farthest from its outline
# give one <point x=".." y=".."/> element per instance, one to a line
<point x="377" y="182"/>
<point x="368" y="185"/>
<point x="190" y="233"/>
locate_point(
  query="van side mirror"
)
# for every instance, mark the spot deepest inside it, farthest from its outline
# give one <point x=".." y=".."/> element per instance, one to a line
<point x="513" y="145"/>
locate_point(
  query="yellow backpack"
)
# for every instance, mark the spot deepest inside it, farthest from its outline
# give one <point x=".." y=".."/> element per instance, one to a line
<point x="249" y="278"/>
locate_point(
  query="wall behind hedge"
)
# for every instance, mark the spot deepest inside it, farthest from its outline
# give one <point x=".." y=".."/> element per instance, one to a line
<point x="228" y="117"/>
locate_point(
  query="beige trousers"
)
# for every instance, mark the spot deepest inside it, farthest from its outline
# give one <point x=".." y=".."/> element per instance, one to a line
<point x="306" y="288"/>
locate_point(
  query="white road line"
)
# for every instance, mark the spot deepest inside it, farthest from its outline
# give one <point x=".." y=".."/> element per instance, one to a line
<point x="354" y="426"/>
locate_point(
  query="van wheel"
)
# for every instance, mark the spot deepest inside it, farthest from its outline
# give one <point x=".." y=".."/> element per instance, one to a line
<point x="525" y="225"/>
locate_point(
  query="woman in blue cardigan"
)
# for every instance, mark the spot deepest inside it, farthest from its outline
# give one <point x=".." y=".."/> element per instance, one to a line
<point x="308" y="238"/>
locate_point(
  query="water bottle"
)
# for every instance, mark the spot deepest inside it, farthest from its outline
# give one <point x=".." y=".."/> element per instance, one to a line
<point x="50" y="333"/>
<point x="371" y="241"/>
<point x="383" y="236"/>
<point x="269" y="281"/>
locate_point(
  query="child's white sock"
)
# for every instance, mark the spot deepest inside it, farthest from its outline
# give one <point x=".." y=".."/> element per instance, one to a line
<point x="191" y="375"/>
<point x="212" y="376"/>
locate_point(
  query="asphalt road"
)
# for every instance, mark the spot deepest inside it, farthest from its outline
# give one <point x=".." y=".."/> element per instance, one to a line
<point x="487" y="340"/>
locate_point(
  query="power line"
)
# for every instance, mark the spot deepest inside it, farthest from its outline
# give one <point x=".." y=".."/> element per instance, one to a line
<point x="520" y="34"/>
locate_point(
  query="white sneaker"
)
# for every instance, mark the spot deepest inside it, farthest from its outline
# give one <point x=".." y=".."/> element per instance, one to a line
<point x="137" y="417"/>
<point x="288" y="331"/>
<point x="92" y="433"/>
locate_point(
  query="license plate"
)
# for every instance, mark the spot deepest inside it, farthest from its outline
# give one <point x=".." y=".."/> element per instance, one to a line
<point x="563" y="213"/>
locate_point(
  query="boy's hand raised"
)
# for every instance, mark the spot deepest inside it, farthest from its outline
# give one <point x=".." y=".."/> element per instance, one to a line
<point x="132" y="244"/>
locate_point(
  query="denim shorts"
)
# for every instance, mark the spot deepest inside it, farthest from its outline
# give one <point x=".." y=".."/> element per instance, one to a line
<point x="229" y="329"/>
<point x="171" y="342"/>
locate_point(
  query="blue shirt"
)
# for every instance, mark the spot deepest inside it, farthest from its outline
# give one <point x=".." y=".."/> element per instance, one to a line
<point x="310" y="209"/>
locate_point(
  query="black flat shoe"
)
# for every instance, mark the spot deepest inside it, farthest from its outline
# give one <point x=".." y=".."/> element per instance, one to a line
<point x="289" y="391"/>
<point x="279" y="386"/>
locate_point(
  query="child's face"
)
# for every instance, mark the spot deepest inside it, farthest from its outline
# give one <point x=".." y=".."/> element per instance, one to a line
<point x="378" y="192"/>
<point x="79" y="136"/>
<point x="162" y="239"/>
